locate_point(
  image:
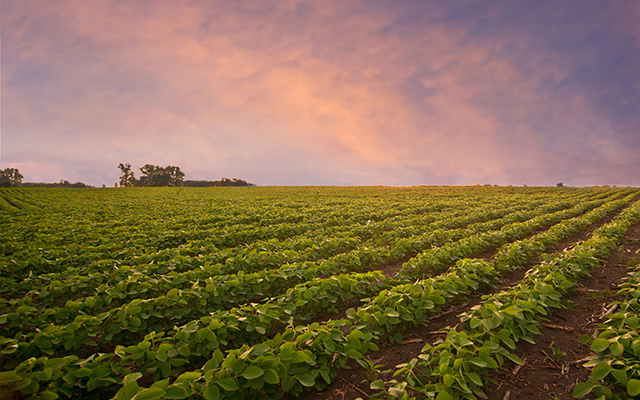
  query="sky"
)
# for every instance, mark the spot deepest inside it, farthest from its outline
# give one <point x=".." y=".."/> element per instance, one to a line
<point x="332" y="92"/>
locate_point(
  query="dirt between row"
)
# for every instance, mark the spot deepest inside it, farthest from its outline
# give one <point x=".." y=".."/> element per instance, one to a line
<point x="552" y="366"/>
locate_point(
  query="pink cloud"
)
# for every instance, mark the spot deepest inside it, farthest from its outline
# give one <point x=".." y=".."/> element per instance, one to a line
<point x="289" y="93"/>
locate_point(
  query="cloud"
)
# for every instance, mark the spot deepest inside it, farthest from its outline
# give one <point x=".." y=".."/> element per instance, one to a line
<point x="351" y="92"/>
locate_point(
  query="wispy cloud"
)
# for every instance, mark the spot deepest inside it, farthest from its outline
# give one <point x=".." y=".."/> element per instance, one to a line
<point x="350" y="92"/>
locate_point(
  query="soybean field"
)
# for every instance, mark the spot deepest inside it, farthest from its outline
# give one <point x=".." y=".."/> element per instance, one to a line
<point x="319" y="292"/>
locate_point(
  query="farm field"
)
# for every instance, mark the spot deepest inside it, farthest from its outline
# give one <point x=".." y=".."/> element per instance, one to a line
<point x="318" y="292"/>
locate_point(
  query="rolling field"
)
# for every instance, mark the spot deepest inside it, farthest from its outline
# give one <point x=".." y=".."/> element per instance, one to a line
<point x="317" y="292"/>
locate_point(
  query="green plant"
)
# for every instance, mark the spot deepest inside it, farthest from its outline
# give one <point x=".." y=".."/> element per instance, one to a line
<point x="557" y="354"/>
<point x="373" y="369"/>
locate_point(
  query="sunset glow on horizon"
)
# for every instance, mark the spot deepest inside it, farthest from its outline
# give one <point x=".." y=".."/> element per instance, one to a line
<point x="323" y="93"/>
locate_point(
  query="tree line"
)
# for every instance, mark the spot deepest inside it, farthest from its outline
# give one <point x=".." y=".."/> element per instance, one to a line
<point x="157" y="176"/>
<point x="12" y="177"/>
<point x="151" y="175"/>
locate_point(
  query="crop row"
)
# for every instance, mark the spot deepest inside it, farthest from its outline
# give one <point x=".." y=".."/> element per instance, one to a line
<point x="462" y="278"/>
<point x="297" y="356"/>
<point x="82" y="332"/>
<point x="250" y="258"/>
<point x="218" y="292"/>
<point x="615" y="363"/>
<point x="120" y="220"/>
<point x="176" y="259"/>
<point x="279" y="313"/>
<point x="433" y="260"/>
<point x="298" y="369"/>
<point x="125" y="314"/>
<point x="29" y="269"/>
<point x="126" y="321"/>
<point x="458" y="365"/>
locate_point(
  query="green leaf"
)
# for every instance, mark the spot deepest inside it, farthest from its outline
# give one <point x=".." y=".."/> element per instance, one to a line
<point x="48" y="395"/>
<point x="83" y="372"/>
<point x="271" y="376"/>
<point x="150" y="394"/>
<point x="475" y="378"/>
<point x="356" y="334"/>
<point x="176" y="392"/>
<point x="252" y="372"/>
<point x="353" y="353"/>
<point x="259" y="349"/>
<point x="237" y="366"/>
<point x="601" y="370"/>
<point x="509" y="342"/>
<point x="211" y="392"/>
<point x="131" y="378"/>
<point x="127" y="391"/>
<point x="218" y="356"/>
<point x="8" y="377"/>
<point x="287" y="354"/>
<point x="620" y="376"/>
<point x="600" y="345"/>
<point x="228" y="384"/>
<point x="511" y="311"/>
<point x="54" y="363"/>
<point x="582" y="389"/>
<point x="633" y="387"/>
<point x="162" y="384"/>
<point x="287" y="383"/>
<point x="584" y="339"/>
<point x="378" y="384"/>
<point x="188" y="376"/>
<point x="479" y="362"/>
<point x="390" y="312"/>
<point x="616" y="349"/>
<point x="487" y="323"/>
<point x="24" y="383"/>
<point x="533" y="329"/>
<point x="306" y="379"/>
<point x="301" y="357"/>
<point x="514" y="358"/>
<point x="329" y="344"/>
<point x="397" y="391"/>
<point x="448" y="380"/>
<point x="444" y="395"/>
<point x="45" y="374"/>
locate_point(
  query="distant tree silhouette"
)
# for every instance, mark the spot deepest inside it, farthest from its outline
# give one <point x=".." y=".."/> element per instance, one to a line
<point x="10" y="177"/>
<point x="222" y="182"/>
<point x="154" y="175"/>
<point x="128" y="177"/>
<point x="62" y="184"/>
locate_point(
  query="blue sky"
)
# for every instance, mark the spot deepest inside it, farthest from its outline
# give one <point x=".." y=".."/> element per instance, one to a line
<point x="324" y="93"/>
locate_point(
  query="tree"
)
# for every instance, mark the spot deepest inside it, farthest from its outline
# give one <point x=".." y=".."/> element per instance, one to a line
<point x="154" y="175"/>
<point x="128" y="177"/>
<point x="10" y="177"/>
<point x="175" y="175"/>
